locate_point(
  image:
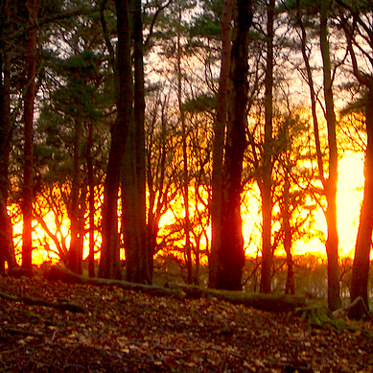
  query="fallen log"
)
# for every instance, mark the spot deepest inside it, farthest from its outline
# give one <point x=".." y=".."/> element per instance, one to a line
<point x="266" y="302"/>
<point x="59" y="273"/>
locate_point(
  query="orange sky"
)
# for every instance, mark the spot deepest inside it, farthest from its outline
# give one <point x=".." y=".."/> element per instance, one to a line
<point x="349" y="197"/>
<point x="350" y="193"/>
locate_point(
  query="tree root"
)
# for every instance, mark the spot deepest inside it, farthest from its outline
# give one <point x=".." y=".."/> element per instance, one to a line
<point x="342" y="312"/>
<point x="321" y="317"/>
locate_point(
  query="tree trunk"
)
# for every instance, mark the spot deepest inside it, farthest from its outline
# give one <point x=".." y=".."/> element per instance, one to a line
<point x="138" y="260"/>
<point x="266" y="270"/>
<point x="6" y="234"/>
<point x="91" y="202"/>
<point x="139" y="106"/>
<point x="130" y="220"/>
<point x="360" y="269"/>
<point x="76" y="244"/>
<point x="290" y="284"/>
<point x="231" y="252"/>
<point x="330" y="186"/>
<point x="218" y="145"/>
<point x="29" y="100"/>
<point x="312" y="93"/>
<point x="185" y="182"/>
<point x="109" y="264"/>
<point x="266" y="183"/>
<point x="155" y="208"/>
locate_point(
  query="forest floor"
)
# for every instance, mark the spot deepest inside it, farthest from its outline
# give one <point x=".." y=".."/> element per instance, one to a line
<point x="108" y="329"/>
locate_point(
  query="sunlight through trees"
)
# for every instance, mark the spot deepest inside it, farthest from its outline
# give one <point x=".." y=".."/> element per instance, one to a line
<point x="207" y="142"/>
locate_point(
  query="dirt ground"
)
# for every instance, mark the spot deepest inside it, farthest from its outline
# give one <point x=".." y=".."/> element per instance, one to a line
<point x="85" y="328"/>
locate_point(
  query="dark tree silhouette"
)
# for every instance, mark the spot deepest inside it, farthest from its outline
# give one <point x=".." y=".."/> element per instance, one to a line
<point x="231" y="256"/>
<point x="6" y="130"/>
<point x="109" y="264"/>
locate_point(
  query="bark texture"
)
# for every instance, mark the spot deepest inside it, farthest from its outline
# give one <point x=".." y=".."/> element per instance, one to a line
<point x="138" y="259"/>
<point x="33" y="7"/>
<point x="330" y="185"/>
<point x="109" y="264"/>
<point x="266" y="182"/>
<point x="218" y="145"/>
<point x="75" y="212"/>
<point x="231" y="256"/>
<point x="6" y="235"/>
<point x="360" y="269"/>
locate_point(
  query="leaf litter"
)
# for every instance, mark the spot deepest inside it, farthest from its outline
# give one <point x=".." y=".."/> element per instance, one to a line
<point x="116" y="330"/>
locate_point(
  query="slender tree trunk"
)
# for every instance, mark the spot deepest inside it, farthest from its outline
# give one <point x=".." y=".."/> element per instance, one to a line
<point x="91" y="202"/>
<point x="109" y="264"/>
<point x="330" y="187"/>
<point x="196" y="277"/>
<point x="29" y="100"/>
<point x="6" y="234"/>
<point x="290" y="284"/>
<point x="312" y="94"/>
<point x="266" y="183"/>
<point x="360" y="269"/>
<point x="155" y="208"/>
<point x="139" y="111"/>
<point x="231" y="253"/>
<point x="218" y="145"/>
<point x="185" y="186"/>
<point x="75" y="258"/>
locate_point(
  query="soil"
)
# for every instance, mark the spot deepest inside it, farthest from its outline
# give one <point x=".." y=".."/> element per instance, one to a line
<point x="56" y="327"/>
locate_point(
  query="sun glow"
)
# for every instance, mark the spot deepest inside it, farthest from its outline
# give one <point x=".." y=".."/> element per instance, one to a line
<point x="349" y="197"/>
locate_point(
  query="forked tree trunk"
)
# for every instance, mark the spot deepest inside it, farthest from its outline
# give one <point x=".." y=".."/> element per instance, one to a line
<point x="231" y="255"/>
<point x="109" y="264"/>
